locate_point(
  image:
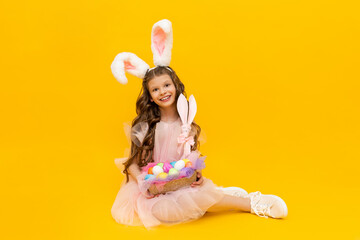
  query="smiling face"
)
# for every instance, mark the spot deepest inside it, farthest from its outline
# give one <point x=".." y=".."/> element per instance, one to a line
<point x="162" y="91"/>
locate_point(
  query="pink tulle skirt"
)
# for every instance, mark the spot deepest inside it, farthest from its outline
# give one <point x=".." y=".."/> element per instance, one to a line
<point x="131" y="207"/>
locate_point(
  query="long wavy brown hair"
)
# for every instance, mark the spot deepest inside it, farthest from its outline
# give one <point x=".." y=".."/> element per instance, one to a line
<point x="149" y="112"/>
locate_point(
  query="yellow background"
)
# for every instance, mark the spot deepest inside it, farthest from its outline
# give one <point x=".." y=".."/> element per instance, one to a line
<point x="277" y="87"/>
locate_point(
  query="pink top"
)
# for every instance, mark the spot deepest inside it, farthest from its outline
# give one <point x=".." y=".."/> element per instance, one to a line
<point x="166" y="142"/>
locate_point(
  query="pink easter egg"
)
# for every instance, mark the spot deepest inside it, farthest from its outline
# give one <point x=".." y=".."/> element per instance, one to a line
<point x="167" y="167"/>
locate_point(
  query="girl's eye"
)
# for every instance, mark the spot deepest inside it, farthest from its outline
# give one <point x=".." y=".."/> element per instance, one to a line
<point x="167" y="85"/>
<point x="155" y="89"/>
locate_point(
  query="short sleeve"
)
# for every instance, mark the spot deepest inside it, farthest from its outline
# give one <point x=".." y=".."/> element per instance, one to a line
<point x="138" y="133"/>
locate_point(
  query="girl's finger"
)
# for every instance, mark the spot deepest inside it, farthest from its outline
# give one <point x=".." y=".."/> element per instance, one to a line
<point x="195" y="184"/>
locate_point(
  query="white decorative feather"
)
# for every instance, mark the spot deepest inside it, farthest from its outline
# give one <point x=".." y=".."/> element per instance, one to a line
<point x="162" y="42"/>
<point x="130" y="63"/>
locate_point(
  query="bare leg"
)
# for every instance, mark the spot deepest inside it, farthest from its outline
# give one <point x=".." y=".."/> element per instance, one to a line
<point x="231" y="203"/>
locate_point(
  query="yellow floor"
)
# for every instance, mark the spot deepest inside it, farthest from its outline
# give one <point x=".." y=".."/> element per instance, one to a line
<point x="43" y="198"/>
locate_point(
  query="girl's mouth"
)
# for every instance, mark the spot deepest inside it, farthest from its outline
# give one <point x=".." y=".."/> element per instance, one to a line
<point x="165" y="99"/>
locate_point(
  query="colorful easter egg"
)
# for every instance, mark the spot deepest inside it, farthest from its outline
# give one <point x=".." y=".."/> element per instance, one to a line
<point x="149" y="177"/>
<point x="186" y="172"/>
<point x="157" y="169"/>
<point x="160" y="164"/>
<point x="173" y="173"/>
<point x="179" y="165"/>
<point x="186" y="160"/>
<point x="162" y="176"/>
<point x="167" y="167"/>
<point x="173" y="163"/>
<point x="188" y="164"/>
<point x="150" y="171"/>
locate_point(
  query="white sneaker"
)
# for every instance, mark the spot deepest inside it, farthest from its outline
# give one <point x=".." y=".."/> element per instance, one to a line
<point x="267" y="205"/>
<point x="234" y="191"/>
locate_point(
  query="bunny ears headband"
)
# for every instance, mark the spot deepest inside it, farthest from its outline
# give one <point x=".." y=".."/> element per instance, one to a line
<point x="161" y="45"/>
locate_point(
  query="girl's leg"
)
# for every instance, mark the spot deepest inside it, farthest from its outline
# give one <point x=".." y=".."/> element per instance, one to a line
<point x="165" y="211"/>
<point x="257" y="203"/>
<point x="231" y="203"/>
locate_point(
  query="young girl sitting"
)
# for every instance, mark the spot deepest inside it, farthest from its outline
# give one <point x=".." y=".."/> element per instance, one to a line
<point x="155" y="138"/>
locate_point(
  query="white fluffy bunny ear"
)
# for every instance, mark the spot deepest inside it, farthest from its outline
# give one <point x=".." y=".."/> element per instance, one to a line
<point x="130" y="63"/>
<point x="162" y="42"/>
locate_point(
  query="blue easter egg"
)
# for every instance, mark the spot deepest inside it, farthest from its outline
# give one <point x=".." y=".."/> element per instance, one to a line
<point x="173" y="163"/>
<point x="148" y="176"/>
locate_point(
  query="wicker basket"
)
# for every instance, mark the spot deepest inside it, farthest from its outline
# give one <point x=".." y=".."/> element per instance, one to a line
<point x="173" y="185"/>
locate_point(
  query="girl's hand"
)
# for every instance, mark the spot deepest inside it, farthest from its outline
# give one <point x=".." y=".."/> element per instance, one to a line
<point x="150" y="196"/>
<point x="199" y="181"/>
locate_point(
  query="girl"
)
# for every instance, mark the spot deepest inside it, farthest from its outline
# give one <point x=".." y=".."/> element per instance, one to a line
<point x="154" y="138"/>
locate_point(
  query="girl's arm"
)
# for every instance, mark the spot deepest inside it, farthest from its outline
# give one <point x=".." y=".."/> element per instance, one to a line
<point x="134" y="170"/>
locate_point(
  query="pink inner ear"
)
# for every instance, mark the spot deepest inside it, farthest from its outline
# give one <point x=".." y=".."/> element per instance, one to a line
<point x="128" y="65"/>
<point x="159" y="38"/>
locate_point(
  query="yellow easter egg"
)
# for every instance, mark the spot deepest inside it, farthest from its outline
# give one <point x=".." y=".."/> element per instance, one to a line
<point x="186" y="160"/>
<point x="162" y="175"/>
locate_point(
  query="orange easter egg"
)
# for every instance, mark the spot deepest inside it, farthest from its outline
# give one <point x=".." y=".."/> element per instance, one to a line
<point x="188" y="164"/>
<point x="150" y="171"/>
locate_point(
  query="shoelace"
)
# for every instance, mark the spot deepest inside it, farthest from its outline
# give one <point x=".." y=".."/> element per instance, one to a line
<point x="262" y="210"/>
